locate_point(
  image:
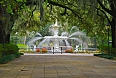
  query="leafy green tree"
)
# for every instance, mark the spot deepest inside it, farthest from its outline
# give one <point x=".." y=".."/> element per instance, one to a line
<point x="104" y="8"/>
<point x="9" y="11"/>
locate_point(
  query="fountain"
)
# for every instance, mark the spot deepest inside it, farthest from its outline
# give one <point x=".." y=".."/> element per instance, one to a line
<point x="61" y="41"/>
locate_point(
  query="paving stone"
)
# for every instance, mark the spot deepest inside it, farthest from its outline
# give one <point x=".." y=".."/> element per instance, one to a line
<point x="9" y="76"/>
<point x="108" y="76"/>
<point x="23" y="77"/>
<point x="58" y="66"/>
<point x="80" y="76"/>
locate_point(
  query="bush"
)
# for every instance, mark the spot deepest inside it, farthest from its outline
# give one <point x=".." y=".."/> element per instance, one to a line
<point x="17" y="55"/>
<point x="26" y="51"/>
<point x="107" y="56"/>
<point x="6" y="58"/>
<point x="8" y="52"/>
<point x="22" y="46"/>
<point x="104" y="49"/>
<point x="113" y="51"/>
<point x="8" y="49"/>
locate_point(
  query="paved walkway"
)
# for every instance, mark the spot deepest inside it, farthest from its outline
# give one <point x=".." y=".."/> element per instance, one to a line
<point x="58" y="66"/>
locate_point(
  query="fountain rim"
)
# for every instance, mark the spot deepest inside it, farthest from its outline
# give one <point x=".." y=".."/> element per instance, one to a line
<point x="56" y="37"/>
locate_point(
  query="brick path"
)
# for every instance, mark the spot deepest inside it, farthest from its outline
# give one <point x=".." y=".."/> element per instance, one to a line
<point x="58" y="66"/>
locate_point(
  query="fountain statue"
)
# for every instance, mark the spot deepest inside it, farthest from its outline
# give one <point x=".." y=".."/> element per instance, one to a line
<point x="57" y="41"/>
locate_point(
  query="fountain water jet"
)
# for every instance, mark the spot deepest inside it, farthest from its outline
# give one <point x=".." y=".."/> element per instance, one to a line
<point x="58" y="41"/>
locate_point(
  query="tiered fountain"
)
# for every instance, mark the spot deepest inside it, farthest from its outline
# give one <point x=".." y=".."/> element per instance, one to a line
<point x="60" y="41"/>
<point x="55" y="39"/>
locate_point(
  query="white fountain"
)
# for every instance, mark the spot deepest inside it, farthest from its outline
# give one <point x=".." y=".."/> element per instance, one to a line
<point x="56" y="41"/>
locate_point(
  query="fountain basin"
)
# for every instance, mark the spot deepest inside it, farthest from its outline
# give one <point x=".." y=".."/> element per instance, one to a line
<point x="56" y="37"/>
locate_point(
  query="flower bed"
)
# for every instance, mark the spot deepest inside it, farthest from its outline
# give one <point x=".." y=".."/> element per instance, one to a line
<point x="43" y="50"/>
<point x="38" y="50"/>
<point x="69" y="50"/>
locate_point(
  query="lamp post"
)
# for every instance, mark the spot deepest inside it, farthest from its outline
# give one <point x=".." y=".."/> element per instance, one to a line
<point x="108" y="27"/>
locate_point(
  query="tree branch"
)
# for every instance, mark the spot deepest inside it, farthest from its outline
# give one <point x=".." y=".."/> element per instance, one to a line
<point x="103" y="7"/>
<point x="65" y="7"/>
<point x="105" y="15"/>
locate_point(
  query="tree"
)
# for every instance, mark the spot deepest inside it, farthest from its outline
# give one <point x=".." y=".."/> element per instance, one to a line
<point x="8" y="14"/>
<point x="111" y="10"/>
<point x="107" y="7"/>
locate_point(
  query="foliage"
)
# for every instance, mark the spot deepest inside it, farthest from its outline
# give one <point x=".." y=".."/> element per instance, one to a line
<point x="26" y="51"/>
<point x="13" y="5"/>
<point x="74" y="14"/>
<point x="104" y="49"/>
<point x="8" y="58"/>
<point x="8" y="49"/>
<point x="22" y="46"/>
<point x="8" y="52"/>
<point x="105" y="56"/>
<point x="71" y="13"/>
<point x="17" y="55"/>
<point x="27" y="22"/>
<point x="113" y="51"/>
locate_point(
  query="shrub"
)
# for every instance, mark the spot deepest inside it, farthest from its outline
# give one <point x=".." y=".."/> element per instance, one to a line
<point x="6" y="58"/>
<point x="8" y="52"/>
<point x="17" y="55"/>
<point x="8" y="49"/>
<point x="105" y="56"/>
<point x="103" y="48"/>
<point x="113" y="51"/>
<point x="22" y="46"/>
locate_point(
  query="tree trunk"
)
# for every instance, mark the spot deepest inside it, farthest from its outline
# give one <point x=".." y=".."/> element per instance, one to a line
<point x="4" y="38"/>
<point x="25" y="37"/>
<point x="7" y="38"/>
<point x="113" y="30"/>
<point x="1" y="36"/>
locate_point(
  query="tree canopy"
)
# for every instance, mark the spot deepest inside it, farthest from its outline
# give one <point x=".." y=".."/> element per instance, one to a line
<point x="89" y="15"/>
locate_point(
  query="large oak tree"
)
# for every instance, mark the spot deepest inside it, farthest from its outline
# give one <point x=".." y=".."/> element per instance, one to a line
<point x="107" y="7"/>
